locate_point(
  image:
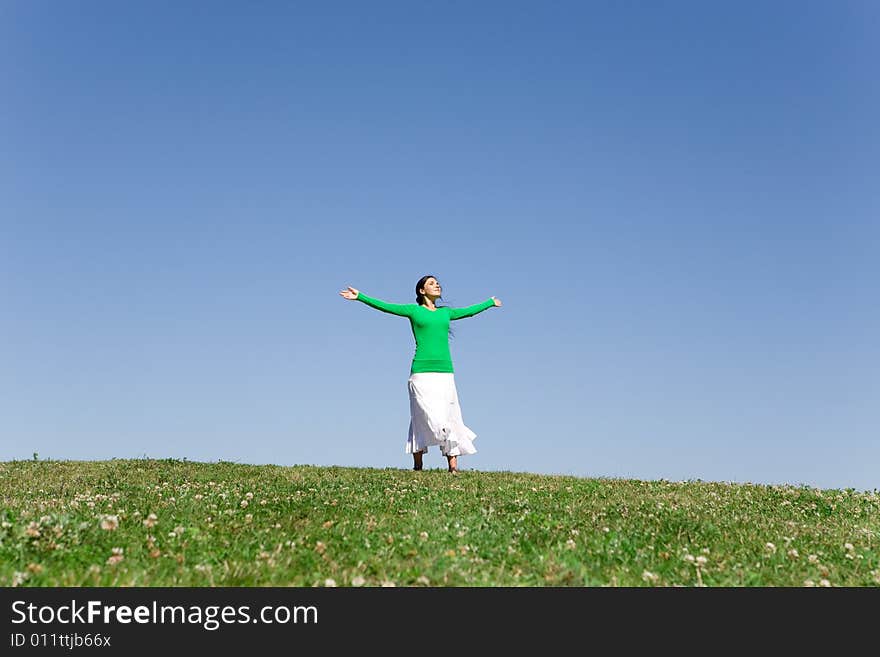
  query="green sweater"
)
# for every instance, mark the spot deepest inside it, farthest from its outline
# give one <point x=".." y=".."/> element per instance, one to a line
<point x="430" y="329"/>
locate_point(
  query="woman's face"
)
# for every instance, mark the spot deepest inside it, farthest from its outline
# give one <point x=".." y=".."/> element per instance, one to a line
<point x="432" y="288"/>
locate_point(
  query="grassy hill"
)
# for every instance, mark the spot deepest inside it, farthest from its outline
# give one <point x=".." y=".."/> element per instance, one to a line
<point x="178" y="523"/>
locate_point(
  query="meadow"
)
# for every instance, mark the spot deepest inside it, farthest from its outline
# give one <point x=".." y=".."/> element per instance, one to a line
<point x="149" y="522"/>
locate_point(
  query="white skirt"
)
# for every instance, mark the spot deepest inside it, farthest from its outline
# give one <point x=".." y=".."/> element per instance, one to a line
<point x="435" y="416"/>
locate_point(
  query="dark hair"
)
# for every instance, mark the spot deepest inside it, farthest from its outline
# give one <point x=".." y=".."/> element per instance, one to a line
<point x="420" y="298"/>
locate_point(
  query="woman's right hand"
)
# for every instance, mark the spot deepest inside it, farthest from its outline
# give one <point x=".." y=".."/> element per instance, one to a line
<point x="351" y="294"/>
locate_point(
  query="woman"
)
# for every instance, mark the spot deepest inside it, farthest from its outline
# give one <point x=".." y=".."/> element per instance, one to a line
<point x="435" y="415"/>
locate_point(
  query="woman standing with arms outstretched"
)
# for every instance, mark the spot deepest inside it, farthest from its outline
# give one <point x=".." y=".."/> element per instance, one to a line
<point x="435" y="415"/>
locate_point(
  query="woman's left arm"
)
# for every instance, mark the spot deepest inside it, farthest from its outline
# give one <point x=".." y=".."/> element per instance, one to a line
<point x="470" y="311"/>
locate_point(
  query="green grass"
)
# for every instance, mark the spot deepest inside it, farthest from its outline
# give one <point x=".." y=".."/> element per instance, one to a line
<point x="226" y="524"/>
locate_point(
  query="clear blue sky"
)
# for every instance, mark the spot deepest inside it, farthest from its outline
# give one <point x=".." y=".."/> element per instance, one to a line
<point x="676" y="202"/>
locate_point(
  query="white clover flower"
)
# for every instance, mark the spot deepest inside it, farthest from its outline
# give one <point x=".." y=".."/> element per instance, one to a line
<point x="813" y="558"/>
<point x="809" y="583"/>
<point x="116" y="557"/>
<point x="689" y="558"/>
<point x="793" y="553"/>
<point x="848" y="547"/>
<point x="701" y="560"/>
<point x="109" y="523"/>
<point x="423" y="536"/>
<point x="388" y="584"/>
<point x="570" y="544"/>
<point x="358" y="581"/>
<point x="769" y="547"/>
<point x="243" y="504"/>
<point x="150" y="520"/>
<point x="424" y="581"/>
<point x="648" y="576"/>
<point x="331" y="583"/>
<point x="249" y="496"/>
<point x="824" y="582"/>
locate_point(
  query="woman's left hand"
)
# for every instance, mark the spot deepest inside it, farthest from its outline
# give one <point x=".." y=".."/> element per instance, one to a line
<point x="497" y="302"/>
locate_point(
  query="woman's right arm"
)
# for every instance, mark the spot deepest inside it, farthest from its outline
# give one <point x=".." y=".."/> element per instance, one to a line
<point x="402" y="309"/>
